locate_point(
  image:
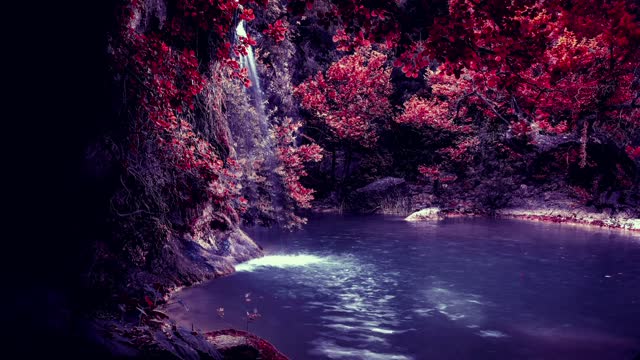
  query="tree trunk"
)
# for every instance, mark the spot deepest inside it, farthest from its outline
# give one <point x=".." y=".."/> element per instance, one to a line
<point x="333" y="166"/>
<point x="347" y="164"/>
<point x="584" y="139"/>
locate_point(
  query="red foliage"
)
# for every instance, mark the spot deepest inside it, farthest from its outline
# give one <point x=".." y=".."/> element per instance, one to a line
<point x="413" y="59"/>
<point x="434" y="173"/>
<point x="164" y="77"/>
<point x="538" y="67"/>
<point x="168" y="80"/>
<point x="292" y="160"/>
<point x="247" y="15"/>
<point x="277" y="31"/>
<point x="546" y="64"/>
<point x="351" y="96"/>
<point x="520" y="129"/>
<point x="462" y="148"/>
<point x="633" y="152"/>
<point x="217" y="17"/>
<point x="433" y="113"/>
<point x="446" y="111"/>
<point x="347" y="43"/>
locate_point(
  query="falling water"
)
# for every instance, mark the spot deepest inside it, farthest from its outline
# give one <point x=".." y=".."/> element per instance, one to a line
<point x="249" y="62"/>
<point x="255" y="134"/>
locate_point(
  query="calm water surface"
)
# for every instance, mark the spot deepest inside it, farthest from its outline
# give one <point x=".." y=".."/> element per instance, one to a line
<point x="381" y="288"/>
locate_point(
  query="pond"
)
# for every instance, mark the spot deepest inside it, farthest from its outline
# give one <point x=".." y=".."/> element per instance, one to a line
<point x="376" y="287"/>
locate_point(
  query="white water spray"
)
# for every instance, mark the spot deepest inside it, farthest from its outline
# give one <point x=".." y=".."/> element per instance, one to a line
<point x="281" y="261"/>
<point x="252" y="133"/>
<point x="249" y="62"/>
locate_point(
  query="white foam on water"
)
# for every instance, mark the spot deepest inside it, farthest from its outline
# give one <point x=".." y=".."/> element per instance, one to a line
<point x="456" y="306"/>
<point x="425" y="312"/>
<point x="492" y="334"/>
<point x="383" y="330"/>
<point x="281" y="262"/>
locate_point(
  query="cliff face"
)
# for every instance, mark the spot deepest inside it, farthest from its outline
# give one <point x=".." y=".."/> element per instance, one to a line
<point x="126" y="208"/>
<point x="170" y="208"/>
<point x="177" y="144"/>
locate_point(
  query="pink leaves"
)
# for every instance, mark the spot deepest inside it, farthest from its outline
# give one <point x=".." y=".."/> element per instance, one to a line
<point x="413" y="60"/>
<point x="434" y="113"/>
<point x="293" y="159"/>
<point x="520" y="129"/>
<point x="351" y="96"/>
<point x="345" y="42"/>
<point x="547" y="127"/>
<point x="168" y="80"/>
<point x="444" y="114"/>
<point x="446" y="109"/>
<point x="248" y="41"/>
<point x="633" y="152"/>
<point x="277" y="31"/>
<point x="247" y="15"/>
<point x="432" y="172"/>
<point x="461" y="150"/>
<point x="342" y="40"/>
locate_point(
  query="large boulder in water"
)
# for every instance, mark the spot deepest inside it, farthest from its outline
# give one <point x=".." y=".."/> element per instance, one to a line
<point x="371" y="198"/>
<point x="425" y="214"/>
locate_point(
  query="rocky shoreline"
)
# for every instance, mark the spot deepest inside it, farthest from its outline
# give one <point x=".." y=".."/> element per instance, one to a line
<point x="141" y="329"/>
<point x="575" y="217"/>
<point x="551" y="215"/>
<point x="162" y="339"/>
<point x="547" y="203"/>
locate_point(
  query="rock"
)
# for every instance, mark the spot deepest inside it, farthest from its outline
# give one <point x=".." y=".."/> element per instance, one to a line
<point x="378" y="196"/>
<point x="381" y="184"/>
<point x="425" y="214"/>
<point x="237" y="344"/>
<point x="184" y="344"/>
<point x="584" y="216"/>
<point x="631" y="224"/>
<point x="160" y="340"/>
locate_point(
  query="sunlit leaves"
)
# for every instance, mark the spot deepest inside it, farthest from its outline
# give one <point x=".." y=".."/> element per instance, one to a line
<point x="350" y="96"/>
<point x="293" y="159"/>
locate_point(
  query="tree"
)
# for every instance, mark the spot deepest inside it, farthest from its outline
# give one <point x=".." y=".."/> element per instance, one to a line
<point x="519" y="77"/>
<point x="292" y="166"/>
<point x="350" y="97"/>
<point x="348" y="103"/>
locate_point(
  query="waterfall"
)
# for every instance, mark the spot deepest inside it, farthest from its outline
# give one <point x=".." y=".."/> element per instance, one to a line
<point x="249" y="62"/>
<point x="252" y="132"/>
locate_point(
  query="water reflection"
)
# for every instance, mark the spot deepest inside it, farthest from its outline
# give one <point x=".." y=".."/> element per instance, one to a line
<point x="374" y="288"/>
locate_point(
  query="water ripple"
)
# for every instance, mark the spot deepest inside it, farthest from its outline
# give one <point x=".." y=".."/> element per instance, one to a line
<point x="334" y="351"/>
